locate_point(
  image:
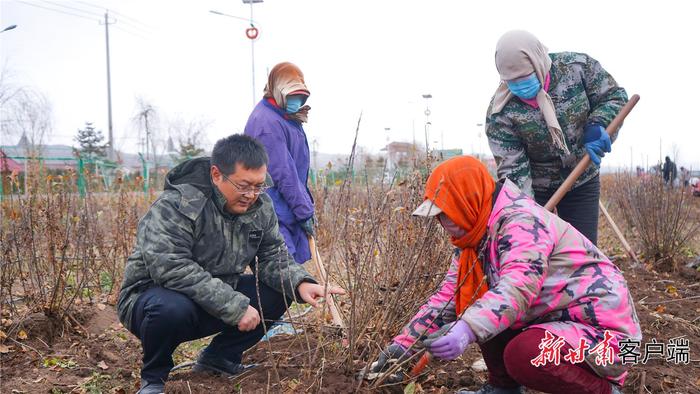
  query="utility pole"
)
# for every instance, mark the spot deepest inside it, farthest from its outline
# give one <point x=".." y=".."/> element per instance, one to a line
<point x="110" y="151"/>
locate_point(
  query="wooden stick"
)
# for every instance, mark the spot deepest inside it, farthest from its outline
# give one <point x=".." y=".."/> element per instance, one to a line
<point x="316" y="258"/>
<point x="617" y="231"/>
<point x="583" y="164"/>
<point x="643" y="382"/>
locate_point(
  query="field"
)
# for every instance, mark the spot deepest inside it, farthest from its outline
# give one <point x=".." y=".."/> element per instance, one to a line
<point x="62" y="257"/>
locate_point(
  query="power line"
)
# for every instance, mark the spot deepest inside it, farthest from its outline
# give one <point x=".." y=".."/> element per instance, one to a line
<point x="139" y="29"/>
<point x="70" y="8"/>
<point x="55" y="10"/>
<point x="140" y="34"/>
<point x="131" y="32"/>
<point x="114" y="11"/>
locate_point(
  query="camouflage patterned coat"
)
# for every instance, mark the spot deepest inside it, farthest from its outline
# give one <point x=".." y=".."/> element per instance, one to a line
<point x="542" y="273"/>
<point x="188" y="243"/>
<point x="582" y="92"/>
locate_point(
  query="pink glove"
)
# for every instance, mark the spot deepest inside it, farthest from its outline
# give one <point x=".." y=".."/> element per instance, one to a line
<point x="450" y="345"/>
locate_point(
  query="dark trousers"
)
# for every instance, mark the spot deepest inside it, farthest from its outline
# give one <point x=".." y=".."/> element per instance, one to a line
<point x="162" y="319"/>
<point x="579" y="207"/>
<point x="508" y="357"/>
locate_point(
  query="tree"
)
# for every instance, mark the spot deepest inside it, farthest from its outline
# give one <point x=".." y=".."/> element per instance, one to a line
<point x="190" y="135"/>
<point x="187" y="151"/>
<point x="91" y="142"/>
<point x="27" y="113"/>
<point x="147" y="120"/>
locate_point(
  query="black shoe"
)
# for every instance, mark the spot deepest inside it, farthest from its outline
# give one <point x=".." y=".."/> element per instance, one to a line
<point x="489" y="389"/>
<point x="219" y="366"/>
<point x="151" y="388"/>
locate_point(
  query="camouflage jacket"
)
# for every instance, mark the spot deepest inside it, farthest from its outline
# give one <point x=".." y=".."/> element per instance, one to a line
<point x="582" y="92"/>
<point x="188" y="243"/>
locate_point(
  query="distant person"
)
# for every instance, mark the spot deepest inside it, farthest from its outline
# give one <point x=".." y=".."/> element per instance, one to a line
<point x="685" y="177"/>
<point x="669" y="171"/>
<point x="276" y="121"/>
<point x="185" y="278"/>
<point x="548" y="111"/>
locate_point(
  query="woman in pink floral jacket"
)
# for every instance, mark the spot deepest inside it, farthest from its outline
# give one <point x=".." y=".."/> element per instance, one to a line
<point x="556" y="310"/>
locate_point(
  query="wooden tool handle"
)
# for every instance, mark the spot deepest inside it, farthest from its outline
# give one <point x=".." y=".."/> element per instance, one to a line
<point x="316" y="258"/>
<point x="583" y="164"/>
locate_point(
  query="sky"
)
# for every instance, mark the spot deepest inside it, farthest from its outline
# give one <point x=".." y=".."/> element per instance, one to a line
<point x="369" y="57"/>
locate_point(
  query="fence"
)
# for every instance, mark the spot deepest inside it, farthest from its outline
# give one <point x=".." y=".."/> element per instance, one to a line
<point x="89" y="173"/>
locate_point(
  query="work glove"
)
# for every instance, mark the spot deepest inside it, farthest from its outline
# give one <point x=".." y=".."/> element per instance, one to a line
<point x="597" y="142"/>
<point x="308" y="226"/>
<point x="392" y="355"/>
<point x="450" y="340"/>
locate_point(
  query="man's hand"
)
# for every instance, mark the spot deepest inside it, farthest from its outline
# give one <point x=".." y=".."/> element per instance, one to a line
<point x="250" y="320"/>
<point x="312" y="293"/>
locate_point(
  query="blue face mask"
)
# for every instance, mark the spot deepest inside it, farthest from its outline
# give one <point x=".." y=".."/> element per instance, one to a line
<point x="526" y="88"/>
<point x="294" y="103"/>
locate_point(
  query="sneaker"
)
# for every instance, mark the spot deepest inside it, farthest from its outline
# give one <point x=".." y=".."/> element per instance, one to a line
<point x="489" y="389"/>
<point x="219" y="366"/>
<point x="151" y="388"/>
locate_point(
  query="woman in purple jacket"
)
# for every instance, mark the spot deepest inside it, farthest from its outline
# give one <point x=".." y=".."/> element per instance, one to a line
<point x="276" y="121"/>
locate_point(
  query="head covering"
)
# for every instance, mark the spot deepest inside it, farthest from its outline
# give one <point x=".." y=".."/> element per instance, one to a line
<point x="518" y="54"/>
<point x="462" y="189"/>
<point x="285" y="79"/>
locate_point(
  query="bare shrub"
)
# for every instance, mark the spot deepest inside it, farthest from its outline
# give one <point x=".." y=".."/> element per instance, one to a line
<point x="663" y="217"/>
<point x="59" y="249"/>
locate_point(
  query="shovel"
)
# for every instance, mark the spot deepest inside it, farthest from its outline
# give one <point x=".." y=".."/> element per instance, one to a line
<point x="583" y="165"/>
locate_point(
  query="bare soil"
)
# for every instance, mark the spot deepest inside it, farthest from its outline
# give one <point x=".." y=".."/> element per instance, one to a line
<point x="99" y="356"/>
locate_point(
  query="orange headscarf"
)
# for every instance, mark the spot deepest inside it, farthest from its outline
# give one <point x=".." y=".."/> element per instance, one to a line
<point x="463" y="189"/>
<point x="285" y="79"/>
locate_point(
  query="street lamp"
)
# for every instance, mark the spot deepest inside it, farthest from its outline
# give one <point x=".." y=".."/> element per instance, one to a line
<point x="427" y="97"/>
<point x="251" y="33"/>
<point x="8" y="28"/>
<point x="478" y="134"/>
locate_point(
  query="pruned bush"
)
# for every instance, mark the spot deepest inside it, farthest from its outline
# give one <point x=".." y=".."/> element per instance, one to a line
<point x="663" y="217"/>
<point x="58" y="248"/>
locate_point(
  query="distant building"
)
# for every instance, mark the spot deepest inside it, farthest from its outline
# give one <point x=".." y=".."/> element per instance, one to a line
<point x="63" y="157"/>
<point x="399" y="154"/>
<point x="445" y="154"/>
<point x="9" y="165"/>
<point x="54" y="157"/>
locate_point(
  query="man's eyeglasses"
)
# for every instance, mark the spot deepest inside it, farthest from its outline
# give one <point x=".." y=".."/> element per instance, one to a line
<point x="255" y="190"/>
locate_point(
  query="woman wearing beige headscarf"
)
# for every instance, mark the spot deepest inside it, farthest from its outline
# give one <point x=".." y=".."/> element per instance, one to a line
<point x="549" y="109"/>
<point x="276" y="121"/>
